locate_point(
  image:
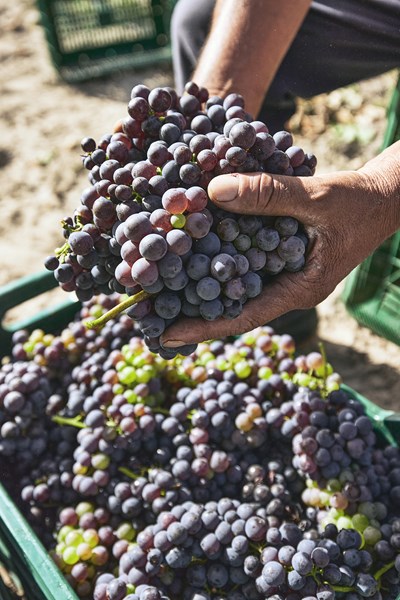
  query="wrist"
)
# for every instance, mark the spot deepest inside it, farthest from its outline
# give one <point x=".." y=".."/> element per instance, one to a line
<point x="382" y="183"/>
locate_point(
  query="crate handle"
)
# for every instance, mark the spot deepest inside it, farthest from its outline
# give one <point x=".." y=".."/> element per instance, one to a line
<point x="386" y="421"/>
<point x="23" y="543"/>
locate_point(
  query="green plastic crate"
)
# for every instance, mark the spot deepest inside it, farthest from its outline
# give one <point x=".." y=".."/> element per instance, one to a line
<point x="21" y="553"/>
<point x="372" y="290"/>
<point x="24" y="557"/>
<point x="92" y="38"/>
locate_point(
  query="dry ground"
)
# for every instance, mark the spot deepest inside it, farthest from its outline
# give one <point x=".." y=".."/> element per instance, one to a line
<point x="44" y="119"/>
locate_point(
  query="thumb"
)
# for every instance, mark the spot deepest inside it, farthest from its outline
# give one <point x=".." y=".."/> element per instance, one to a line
<point x="263" y="194"/>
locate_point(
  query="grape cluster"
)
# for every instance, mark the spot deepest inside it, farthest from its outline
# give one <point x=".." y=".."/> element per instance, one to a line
<point x="146" y="223"/>
<point x="189" y="478"/>
<point x="24" y="433"/>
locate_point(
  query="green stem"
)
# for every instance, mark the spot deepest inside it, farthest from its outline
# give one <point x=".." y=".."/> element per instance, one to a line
<point x="323" y="353"/>
<point x="198" y="561"/>
<point x="342" y="588"/>
<point x="73" y="422"/>
<point x="116" y="310"/>
<point x="128" y="473"/>
<point x="74" y="228"/>
<point x="383" y="570"/>
<point x="161" y="411"/>
<point x="63" y="250"/>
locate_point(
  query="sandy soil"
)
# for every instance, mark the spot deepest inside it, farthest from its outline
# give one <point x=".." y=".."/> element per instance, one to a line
<point x="43" y="120"/>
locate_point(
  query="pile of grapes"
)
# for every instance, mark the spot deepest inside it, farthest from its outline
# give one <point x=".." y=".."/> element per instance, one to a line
<point x="240" y="472"/>
<point x="146" y="227"/>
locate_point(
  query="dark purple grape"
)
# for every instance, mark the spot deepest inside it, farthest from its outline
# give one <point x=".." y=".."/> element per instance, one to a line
<point x="88" y="144"/>
<point x="159" y="100"/>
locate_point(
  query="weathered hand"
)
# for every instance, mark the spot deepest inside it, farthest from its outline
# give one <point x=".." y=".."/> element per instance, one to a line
<point x="346" y="216"/>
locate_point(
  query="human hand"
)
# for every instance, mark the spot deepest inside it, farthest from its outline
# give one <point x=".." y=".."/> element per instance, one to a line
<point x="346" y="216"/>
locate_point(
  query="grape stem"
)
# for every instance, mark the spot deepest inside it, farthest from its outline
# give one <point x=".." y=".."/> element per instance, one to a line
<point x="62" y="252"/>
<point x="77" y="227"/>
<point x="129" y="473"/>
<point x="323" y="353"/>
<point x="116" y="310"/>
<point x="161" y="411"/>
<point x="73" y="422"/>
<point x="383" y="570"/>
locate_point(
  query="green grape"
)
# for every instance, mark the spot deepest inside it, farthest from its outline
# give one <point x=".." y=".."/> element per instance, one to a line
<point x="222" y="364"/>
<point x="242" y="369"/>
<point x="64" y="531"/>
<point x="90" y="537"/>
<point x="313" y="385"/>
<point x="142" y="376"/>
<point x="84" y="507"/>
<point x="73" y="538"/>
<point x="325" y="498"/>
<point x="96" y="311"/>
<point x="125" y="532"/>
<point x="100" y="461"/>
<point x="138" y="361"/>
<point x="333" y="485"/>
<point x="206" y="357"/>
<point x="371" y="535"/>
<point x="302" y="379"/>
<point x="127" y="375"/>
<point x="70" y="556"/>
<point x="249" y="339"/>
<point x="84" y="551"/>
<point x="60" y="547"/>
<point x="178" y="221"/>
<point x="264" y="373"/>
<point x="130" y="396"/>
<point x="360" y="522"/>
<point x="332" y="386"/>
<point x="344" y="523"/>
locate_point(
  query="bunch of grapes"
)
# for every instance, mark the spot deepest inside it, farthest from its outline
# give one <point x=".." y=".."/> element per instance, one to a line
<point x="146" y="227"/>
<point x="24" y="427"/>
<point x="203" y="477"/>
<point x="88" y="541"/>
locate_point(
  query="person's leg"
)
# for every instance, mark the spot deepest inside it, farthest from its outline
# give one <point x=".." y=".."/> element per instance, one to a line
<point x="340" y="42"/>
<point x="190" y="24"/>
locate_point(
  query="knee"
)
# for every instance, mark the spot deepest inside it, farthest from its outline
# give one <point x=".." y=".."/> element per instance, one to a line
<point x="189" y="17"/>
<point x="182" y="17"/>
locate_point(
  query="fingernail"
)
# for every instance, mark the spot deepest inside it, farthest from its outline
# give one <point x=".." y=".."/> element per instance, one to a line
<point x="224" y="188"/>
<point x="172" y="344"/>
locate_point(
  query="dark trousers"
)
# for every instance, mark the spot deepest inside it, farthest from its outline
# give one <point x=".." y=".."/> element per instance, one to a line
<point x="340" y="42"/>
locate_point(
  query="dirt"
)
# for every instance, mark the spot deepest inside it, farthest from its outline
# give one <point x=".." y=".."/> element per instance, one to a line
<point x="43" y="120"/>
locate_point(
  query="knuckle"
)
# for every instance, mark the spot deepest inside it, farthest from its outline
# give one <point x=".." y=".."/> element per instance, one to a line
<point x="260" y="189"/>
